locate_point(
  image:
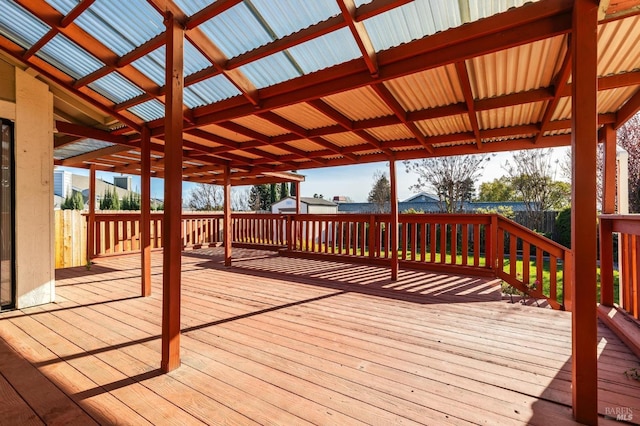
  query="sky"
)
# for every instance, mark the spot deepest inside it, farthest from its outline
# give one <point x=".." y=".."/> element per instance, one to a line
<point x="354" y="181"/>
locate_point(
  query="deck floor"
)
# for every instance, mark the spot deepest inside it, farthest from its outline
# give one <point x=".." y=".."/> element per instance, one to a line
<point x="290" y="341"/>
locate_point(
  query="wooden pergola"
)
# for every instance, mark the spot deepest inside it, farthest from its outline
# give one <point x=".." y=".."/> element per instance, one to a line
<point x="185" y="101"/>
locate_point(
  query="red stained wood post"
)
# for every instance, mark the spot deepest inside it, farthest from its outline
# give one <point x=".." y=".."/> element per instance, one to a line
<point x="394" y="220"/>
<point x="145" y="211"/>
<point x="583" y="142"/>
<point x="172" y="240"/>
<point x="606" y="262"/>
<point x="297" y="184"/>
<point x="228" y="239"/>
<point x="91" y="220"/>
<point x="609" y="183"/>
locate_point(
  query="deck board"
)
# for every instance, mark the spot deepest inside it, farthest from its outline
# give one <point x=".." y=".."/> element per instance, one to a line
<point x="289" y="341"/>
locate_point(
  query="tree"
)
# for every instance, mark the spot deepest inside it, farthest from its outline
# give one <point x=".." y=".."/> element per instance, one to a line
<point x="380" y="194"/>
<point x="284" y="190"/>
<point x="260" y="197"/>
<point x="452" y="178"/>
<point x="273" y="193"/>
<point x="73" y="202"/>
<point x="240" y="200"/>
<point x="205" y="197"/>
<point x="531" y="173"/>
<point x="131" y="201"/>
<point x="110" y="200"/>
<point x="497" y="190"/>
<point x="628" y="138"/>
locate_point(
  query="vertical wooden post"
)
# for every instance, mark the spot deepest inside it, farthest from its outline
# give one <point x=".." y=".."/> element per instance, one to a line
<point x="394" y="220"/>
<point x="228" y="238"/>
<point x="91" y="220"/>
<point x="145" y="212"/>
<point x="609" y="181"/>
<point x="606" y="262"/>
<point x="584" y="142"/>
<point x="297" y="184"/>
<point x="171" y="237"/>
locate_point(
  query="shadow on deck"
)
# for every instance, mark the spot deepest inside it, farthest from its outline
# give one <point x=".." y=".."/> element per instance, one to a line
<point x="291" y="341"/>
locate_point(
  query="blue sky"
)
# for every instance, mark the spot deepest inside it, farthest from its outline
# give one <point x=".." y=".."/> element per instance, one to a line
<point x="351" y="181"/>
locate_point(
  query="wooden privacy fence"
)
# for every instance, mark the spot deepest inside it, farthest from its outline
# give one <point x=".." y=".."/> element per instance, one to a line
<point x="486" y="244"/>
<point x="70" y="238"/>
<point x="629" y="280"/>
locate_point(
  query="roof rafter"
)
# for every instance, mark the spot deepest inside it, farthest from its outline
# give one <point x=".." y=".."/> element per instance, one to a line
<point x="465" y="84"/>
<point x="359" y="32"/>
<point x="559" y="84"/>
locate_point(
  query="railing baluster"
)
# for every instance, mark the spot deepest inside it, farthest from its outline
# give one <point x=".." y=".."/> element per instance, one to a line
<point x="526" y="254"/>
<point x="433" y="232"/>
<point x="539" y="264"/>
<point x="414" y="235"/>
<point x="476" y="246"/>
<point x="465" y="244"/>
<point x="553" y="279"/>
<point x="454" y="243"/>
<point x="443" y="242"/>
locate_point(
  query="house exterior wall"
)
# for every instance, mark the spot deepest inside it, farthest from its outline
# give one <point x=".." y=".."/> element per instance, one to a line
<point x="322" y="209"/>
<point x="34" y="258"/>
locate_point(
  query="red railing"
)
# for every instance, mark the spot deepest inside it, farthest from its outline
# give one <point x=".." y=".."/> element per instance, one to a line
<point x="628" y="227"/>
<point x="477" y="243"/>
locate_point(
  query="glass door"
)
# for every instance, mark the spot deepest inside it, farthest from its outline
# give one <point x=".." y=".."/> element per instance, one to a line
<point x="7" y="283"/>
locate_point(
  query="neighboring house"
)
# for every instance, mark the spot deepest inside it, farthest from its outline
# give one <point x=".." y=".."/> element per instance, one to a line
<point x="421" y="197"/>
<point x="308" y="205"/>
<point x="66" y="183"/>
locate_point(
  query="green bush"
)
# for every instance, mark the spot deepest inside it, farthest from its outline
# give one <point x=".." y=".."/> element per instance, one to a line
<point x="73" y="202"/>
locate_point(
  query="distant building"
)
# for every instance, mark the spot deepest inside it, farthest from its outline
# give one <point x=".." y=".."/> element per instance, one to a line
<point x="340" y="199"/>
<point x="308" y="205"/>
<point x="421" y="197"/>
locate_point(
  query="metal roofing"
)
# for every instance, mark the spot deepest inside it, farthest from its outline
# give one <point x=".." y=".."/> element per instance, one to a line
<point x="281" y="85"/>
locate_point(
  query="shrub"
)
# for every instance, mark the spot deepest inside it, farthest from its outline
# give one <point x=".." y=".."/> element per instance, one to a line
<point x="563" y="228"/>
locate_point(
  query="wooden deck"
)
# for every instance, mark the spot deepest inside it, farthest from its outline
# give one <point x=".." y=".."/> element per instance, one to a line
<point x="289" y="341"/>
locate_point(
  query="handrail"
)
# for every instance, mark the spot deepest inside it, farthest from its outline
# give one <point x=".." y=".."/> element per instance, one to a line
<point x="628" y="227"/>
<point x="476" y="243"/>
<point x="548" y="258"/>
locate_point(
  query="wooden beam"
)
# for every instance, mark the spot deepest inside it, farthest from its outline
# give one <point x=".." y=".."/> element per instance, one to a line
<point x="145" y="212"/>
<point x="610" y="164"/>
<point x="394" y="220"/>
<point x="91" y="219"/>
<point x="227" y="221"/>
<point x="628" y="110"/>
<point x="465" y="84"/>
<point x="359" y="33"/>
<point x="92" y="155"/>
<point x="172" y="240"/>
<point x="584" y="46"/>
<point x="559" y="84"/>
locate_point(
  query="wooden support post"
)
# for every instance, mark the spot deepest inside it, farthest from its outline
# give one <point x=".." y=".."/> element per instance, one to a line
<point x="228" y="238"/>
<point x="609" y="181"/>
<point x="606" y="262"/>
<point x="145" y="211"/>
<point x="394" y="220"/>
<point x="584" y="142"/>
<point x="91" y="219"/>
<point x="171" y="238"/>
<point x="297" y="184"/>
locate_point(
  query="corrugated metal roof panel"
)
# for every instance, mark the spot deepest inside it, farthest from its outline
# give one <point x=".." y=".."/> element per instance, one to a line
<point x="273" y="150"/>
<point x="511" y="116"/>
<point x="456" y="143"/>
<point x="484" y="8"/>
<point x="224" y="133"/>
<point x="359" y="104"/>
<point x="271" y="70"/>
<point x="411" y="22"/>
<point x="63" y="6"/>
<point x="623" y="33"/>
<point x="20" y="26"/>
<point x="391" y="133"/>
<point x="236" y="31"/>
<point x="244" y="154"/>
<point x="345" y="139"/>
<point x="445" y="125"/>
<point x="149" y="111"/>
<point x="304" y="115"/>
<point x="305" y="145"/>
<point x="123" y="25"/>
<point x="116" y="88"/>
<point x="320" y="53"/>
<point x="612" y="100"/>
<point x="153" y="64"/>
<point x="191" y="7"/>
<point x="78" y="148"/>
<point x="518" y="69"/>
<point x="209" y="91"/>
<point x="68" y="57"/>
<point x="427" y="89"/>
<point x="563" y="109"/>
<point x="260" y="125"/>
<point x="288" y="16"/>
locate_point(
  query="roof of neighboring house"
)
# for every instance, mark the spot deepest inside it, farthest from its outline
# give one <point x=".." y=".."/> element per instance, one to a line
<point x="430" y="207"/>
<point x="420" y="196"/>
<point x="312" y="201"/>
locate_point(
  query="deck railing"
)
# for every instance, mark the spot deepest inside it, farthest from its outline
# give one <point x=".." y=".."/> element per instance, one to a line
<point x="475" y="243"/>
<point x="628" y="227"/>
